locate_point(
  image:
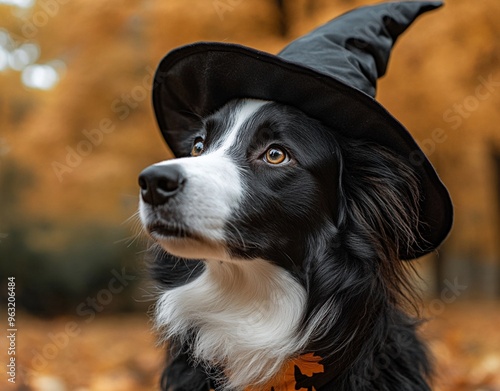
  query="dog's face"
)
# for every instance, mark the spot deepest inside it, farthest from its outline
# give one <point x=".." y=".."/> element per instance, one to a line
<point x="261" y="179"/>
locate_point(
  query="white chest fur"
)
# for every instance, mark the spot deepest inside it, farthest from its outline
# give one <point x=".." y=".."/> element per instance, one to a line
<point x="245" y="316"/>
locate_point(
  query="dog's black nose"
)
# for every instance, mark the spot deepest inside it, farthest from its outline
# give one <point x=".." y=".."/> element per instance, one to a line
<point x="159" y="183"/>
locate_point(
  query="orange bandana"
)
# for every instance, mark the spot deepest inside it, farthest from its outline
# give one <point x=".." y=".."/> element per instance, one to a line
<point x="297" y="375"/>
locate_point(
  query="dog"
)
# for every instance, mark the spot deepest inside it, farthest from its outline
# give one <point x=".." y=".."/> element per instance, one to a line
<point x="283" y="230"/>
<point x="276" y="253"/>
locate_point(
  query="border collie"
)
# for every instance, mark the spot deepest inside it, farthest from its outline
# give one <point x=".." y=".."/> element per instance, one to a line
<point x="276" y="245"/>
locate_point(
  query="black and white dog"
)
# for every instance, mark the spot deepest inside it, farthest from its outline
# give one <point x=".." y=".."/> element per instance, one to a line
<point x="277" y="240"/>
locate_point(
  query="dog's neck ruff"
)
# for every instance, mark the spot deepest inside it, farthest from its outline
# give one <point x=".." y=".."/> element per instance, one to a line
<point x="242" y="316"/>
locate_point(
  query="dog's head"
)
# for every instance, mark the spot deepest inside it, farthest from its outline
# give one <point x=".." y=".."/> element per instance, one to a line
<point x="263" y="180"/>
<point x="260" y="181"/>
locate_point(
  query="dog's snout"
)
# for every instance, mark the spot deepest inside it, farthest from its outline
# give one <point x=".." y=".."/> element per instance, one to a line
<point x="159" y="183"/>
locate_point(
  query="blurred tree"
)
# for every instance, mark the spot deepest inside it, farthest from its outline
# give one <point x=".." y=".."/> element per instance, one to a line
<point x="445" y="75"/>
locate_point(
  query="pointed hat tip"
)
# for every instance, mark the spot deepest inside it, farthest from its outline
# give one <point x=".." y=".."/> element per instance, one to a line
<point x="355" y="47"/>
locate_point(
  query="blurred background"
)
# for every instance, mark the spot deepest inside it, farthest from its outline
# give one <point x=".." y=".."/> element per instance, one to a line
<point x="77" y="126"/>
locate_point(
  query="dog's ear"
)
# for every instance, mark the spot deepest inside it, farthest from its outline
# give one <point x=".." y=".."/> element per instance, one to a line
<point x="379" y="199"/>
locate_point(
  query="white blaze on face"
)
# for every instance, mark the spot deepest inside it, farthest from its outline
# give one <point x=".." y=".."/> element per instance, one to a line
<point x="212" y="191"/>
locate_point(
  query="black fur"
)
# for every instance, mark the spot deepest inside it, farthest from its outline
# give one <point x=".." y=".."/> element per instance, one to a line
<point x="336" y="220"/>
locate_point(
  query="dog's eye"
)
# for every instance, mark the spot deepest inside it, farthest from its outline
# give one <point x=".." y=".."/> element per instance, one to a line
<point x="198" y="147"/>
<point x="275" y="155"/>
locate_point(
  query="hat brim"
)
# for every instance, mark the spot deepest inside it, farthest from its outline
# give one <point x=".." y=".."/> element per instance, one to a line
<point x="195" y="80"/>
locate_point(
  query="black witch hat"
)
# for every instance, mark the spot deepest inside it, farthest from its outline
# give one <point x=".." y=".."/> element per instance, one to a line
<point x="330" y="74"/>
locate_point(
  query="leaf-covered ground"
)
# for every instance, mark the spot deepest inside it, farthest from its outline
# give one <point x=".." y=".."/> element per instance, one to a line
<point x="118" y="353"/>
